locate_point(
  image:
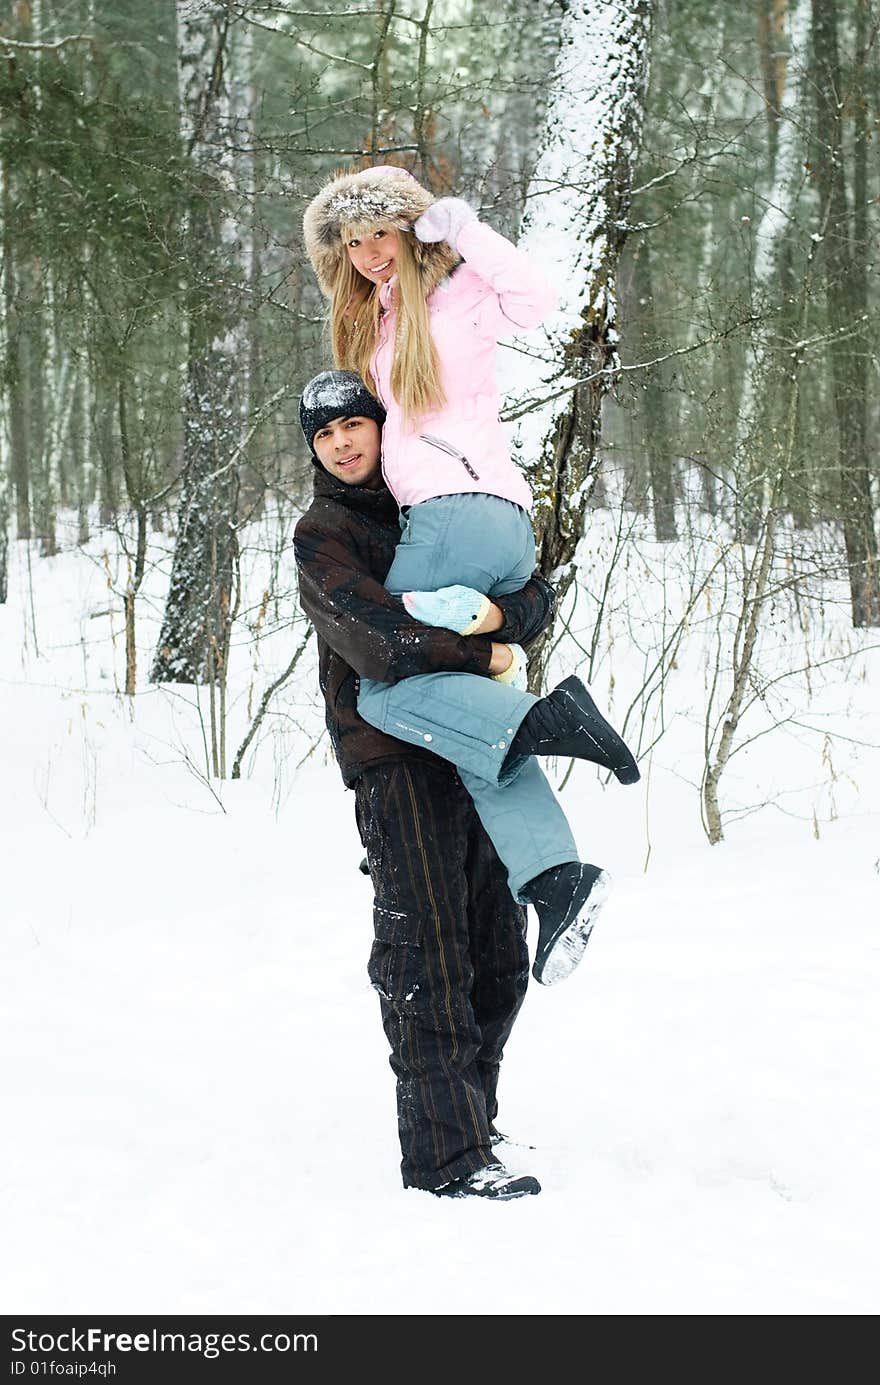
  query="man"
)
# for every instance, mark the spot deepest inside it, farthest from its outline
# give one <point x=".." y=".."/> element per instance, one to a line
<point x="449" y="959"/>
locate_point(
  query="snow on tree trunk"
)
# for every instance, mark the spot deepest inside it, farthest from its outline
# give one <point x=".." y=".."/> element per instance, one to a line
<point x="787" y="180"/>
<point x="575" y="226"/>
<point x="195" y="632"/>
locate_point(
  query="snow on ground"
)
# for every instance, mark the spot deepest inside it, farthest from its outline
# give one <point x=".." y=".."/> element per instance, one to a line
<point x="200" y="1111"/>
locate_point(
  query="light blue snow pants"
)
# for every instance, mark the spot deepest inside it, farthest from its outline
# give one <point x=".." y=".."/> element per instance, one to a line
<point x="487" y="543"/>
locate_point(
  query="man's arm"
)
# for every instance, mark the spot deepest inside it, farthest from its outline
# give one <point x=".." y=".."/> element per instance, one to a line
<point x="368" y="627"/>
<point x="526" y="613"/>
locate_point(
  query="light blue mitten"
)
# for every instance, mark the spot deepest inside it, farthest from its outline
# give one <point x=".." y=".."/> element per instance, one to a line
<point x="458" y="608"/>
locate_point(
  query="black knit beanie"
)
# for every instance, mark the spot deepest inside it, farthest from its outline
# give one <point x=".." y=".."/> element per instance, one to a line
<point x="336" y="394"/>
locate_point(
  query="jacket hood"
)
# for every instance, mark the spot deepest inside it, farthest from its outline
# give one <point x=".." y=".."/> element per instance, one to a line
<point x="361" y="199"/>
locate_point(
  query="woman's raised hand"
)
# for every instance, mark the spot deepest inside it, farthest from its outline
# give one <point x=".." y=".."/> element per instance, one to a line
<point x="444" y="220"/>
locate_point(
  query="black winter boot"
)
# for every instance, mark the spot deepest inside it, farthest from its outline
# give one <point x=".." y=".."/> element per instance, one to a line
<point x="493" y="1181"/>
<point x="567" y="900"/>
<point x="568" y="722"/>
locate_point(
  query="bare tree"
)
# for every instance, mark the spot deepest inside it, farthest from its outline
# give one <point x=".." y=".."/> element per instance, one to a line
<point x="193" y="643"/>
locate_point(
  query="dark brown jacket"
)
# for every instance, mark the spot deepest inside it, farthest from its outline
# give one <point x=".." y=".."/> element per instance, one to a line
<point x="344" y="545"/>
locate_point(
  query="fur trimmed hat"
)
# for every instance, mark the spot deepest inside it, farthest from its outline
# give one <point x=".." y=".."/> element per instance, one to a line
<point x="359" y="200"/>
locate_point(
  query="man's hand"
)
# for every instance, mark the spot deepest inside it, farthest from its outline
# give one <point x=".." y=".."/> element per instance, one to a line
<point x="502" y="659"/>
<point x="509" y="665"/>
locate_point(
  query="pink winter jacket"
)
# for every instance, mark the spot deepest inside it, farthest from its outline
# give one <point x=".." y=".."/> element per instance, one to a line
<point x="464" y="445"/>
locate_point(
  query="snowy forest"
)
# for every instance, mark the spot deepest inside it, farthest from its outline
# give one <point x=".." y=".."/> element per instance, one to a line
<point x="698" y="422"/>
<point x="708" y="395"/>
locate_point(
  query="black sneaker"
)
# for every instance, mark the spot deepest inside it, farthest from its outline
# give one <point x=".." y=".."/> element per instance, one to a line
<point x="567" y="722"/>
<point x="567" y="900"/>
<point x="494" y="1181"/>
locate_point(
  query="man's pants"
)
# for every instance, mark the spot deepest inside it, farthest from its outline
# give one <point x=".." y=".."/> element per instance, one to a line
<point x="487" y="543"/>
<point x="449" y="962"/>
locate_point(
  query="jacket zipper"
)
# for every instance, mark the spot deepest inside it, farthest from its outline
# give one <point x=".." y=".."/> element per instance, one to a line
<point x="381" y="445"/>
<point x="450" y="450"/>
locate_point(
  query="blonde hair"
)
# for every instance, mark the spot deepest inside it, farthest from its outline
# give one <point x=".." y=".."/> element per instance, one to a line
<point x="355" y="311"/>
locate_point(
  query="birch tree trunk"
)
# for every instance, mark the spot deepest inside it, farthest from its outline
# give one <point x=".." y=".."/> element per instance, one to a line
<point x="195" y="632"/>
<point x="785" y="184"/>
<point x="712" y="105"/>
<point x="576" y="226"/>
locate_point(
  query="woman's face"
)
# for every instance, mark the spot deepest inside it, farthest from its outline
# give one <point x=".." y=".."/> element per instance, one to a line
<point x="374" y="254"/>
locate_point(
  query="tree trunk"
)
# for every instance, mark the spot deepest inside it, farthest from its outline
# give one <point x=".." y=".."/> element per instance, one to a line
<point x="576" y="221"/>
<point x="80" y="452"/>
<point x="15" y="380"/>
<point x="713" y="106"/>
<point x="760" y="381"/>
<point x="658" y="442"/>
<point x="134" y="484"/>
<point x="104" y="441"/>
<point x="845" y="259"/>
<point x="4" y="532"/>
<point x="249" y="172"/>
<point x="38" y="363"/>
<point x="194" y="632"/>
<point x="771" y="35"/>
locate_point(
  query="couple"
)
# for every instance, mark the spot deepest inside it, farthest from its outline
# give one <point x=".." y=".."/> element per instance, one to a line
<point x="415" y="562"/>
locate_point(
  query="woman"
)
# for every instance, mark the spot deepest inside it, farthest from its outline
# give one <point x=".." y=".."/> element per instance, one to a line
<point x="420" y="326"/>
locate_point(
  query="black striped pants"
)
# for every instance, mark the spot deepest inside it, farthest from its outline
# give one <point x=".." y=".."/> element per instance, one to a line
<point x="449" y="962"/>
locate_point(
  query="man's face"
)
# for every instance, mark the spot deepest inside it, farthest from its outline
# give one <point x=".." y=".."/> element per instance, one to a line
<point x="349" y="448"/>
